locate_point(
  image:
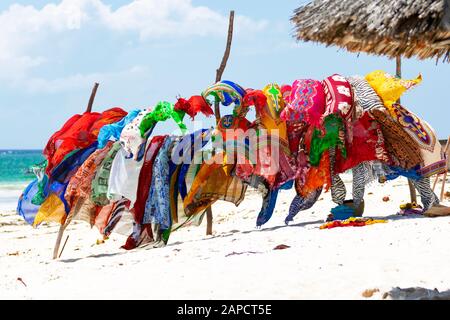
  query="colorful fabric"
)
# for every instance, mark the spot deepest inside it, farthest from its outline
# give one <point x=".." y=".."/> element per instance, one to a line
<point x="78" y="191"/>
<point x="339" y="97"/>
<point x="351" y="222"/>
<point x="145" y="177"/>
<point x="365" y="98"/>
<point x="25" y="206"/>
<point x="112" y="131"/>
<point x="100" y="183"/>
<point x="124" y="177"/>
<point x="161" y="112"/>
<point x="213" y="182"/>
<point x="306" y="102"/>
<point x="300" y="203"/>
<point x="403" y="150"/>
<point x="55" y="141"/>
<point x="368" y="144"/>
<point x="186" y="149"/>
<point x="109" y="116"/>
<point x="390" y="88"/>
<point x="76" y="137"/>
<point x="55" y="208"/>
<point x="193" y="106"/>
<point x="269" y="202"/>
<point x="433" y="160"/>
<point x="225" y="92"/>
<point x="341" y="212"/>
<point x="130" y="138"/>
<point x="81" y="134"/>
<point x="316" y="177"/>
<point x="157" y="207"/>
<point x="333" y="128"/>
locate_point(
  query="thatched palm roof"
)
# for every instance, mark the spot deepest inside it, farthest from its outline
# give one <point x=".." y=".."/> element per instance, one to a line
<point x="386" y="27"/>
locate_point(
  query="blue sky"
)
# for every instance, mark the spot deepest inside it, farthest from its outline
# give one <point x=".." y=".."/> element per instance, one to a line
<point x="143" y="51"/>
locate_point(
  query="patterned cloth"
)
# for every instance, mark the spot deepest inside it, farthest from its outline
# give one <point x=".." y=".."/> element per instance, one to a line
<point x="425" y="137"/>
<point x="300" y="203"/>
<point x="130" y="138"/>
<point x="226" y="92"/>
<point x="213" y="182"/>
<point x="145" y="177"/>
<point x="112" y="131"/>
<point x="78" y="192"/>
<point x="306" y="102"/>
<point x="100" y="183"/>
<point x="351" y="222"/>
<point x="161" y="112"/>
<point x="157" y="207"/>
<point x="403" y="150"/>
<point x="339" y="97"/>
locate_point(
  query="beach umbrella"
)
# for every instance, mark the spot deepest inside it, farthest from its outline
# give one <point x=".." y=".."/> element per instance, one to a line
<point x="408" y="28"/>
<point x="394" y="28"/>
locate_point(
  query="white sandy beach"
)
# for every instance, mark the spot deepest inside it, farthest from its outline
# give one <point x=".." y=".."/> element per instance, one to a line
<point x="238" y="261"/>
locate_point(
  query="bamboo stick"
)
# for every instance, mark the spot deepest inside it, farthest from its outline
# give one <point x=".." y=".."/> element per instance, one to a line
<point x="62" y="227"/>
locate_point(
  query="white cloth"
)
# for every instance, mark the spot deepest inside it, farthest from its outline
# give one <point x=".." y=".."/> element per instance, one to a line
<point x="124" y="177"/>
<point x="130" y="138"/>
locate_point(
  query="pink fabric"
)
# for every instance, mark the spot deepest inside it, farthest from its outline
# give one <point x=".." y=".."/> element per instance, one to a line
<point x="305" y="103"/>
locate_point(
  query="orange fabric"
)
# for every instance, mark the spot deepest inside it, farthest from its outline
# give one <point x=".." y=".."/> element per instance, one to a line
<point x="316" y="177"/>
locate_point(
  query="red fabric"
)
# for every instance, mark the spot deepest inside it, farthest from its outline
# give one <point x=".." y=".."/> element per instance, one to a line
<point x="255" y="98"/>
<point x="193" y="106"/>
<point x="107" y="117"/>
<point x="338" y="223"/>
<point x="76" y="137"/>
<point x="79" y="132"/>
<point x="368" y="145"/>
<point x="50" y="148"/>
<point x="145" y="177"/>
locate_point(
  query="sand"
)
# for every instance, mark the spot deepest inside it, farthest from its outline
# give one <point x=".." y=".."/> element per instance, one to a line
<point x="238" y="261"/>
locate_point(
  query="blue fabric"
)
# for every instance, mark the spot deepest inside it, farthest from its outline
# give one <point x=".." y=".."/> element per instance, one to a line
<point x="112" y="131"/>
<point x="157" y="207"/>
<point x="69" y="166"/>
<point x="228" y="99"/>
<point x="300" y="204"/>
<point x="25" y="207"/>
<point x="397" y="171"/>
<point x="269" y="203"/>
<point x="188" y="156"/>
<point x="342" y="212"/>
<point x="60" y="175"/>
<point x="268" y="207"/>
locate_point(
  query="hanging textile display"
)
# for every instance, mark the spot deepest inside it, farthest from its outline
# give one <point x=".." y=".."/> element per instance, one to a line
<point x="109" y="170"/>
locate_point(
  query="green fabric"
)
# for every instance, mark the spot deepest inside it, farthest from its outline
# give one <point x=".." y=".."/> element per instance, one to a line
<point x="39" y="171"/>
<point x="100" y="182"/>
<point x="333" y="125"/>
<point x="163" y="111"/>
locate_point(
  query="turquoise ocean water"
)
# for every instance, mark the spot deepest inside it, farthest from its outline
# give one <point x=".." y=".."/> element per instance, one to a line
<point x="15" y="174"/>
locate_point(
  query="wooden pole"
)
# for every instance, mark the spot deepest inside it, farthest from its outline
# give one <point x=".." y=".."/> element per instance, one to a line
<point x="62" y="227"/>
<point x="412" y="189"/>
<point x="92" y="97"/>
<point x="219" y="73"/>
<point x="444" y="180"/>
<point x="223" y="64"/>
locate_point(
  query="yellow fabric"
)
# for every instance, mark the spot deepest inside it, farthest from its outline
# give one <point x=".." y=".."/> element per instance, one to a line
<point x="52" y="210"/>
<point x="388" y="87"/>
<point x="270" y="115"/>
